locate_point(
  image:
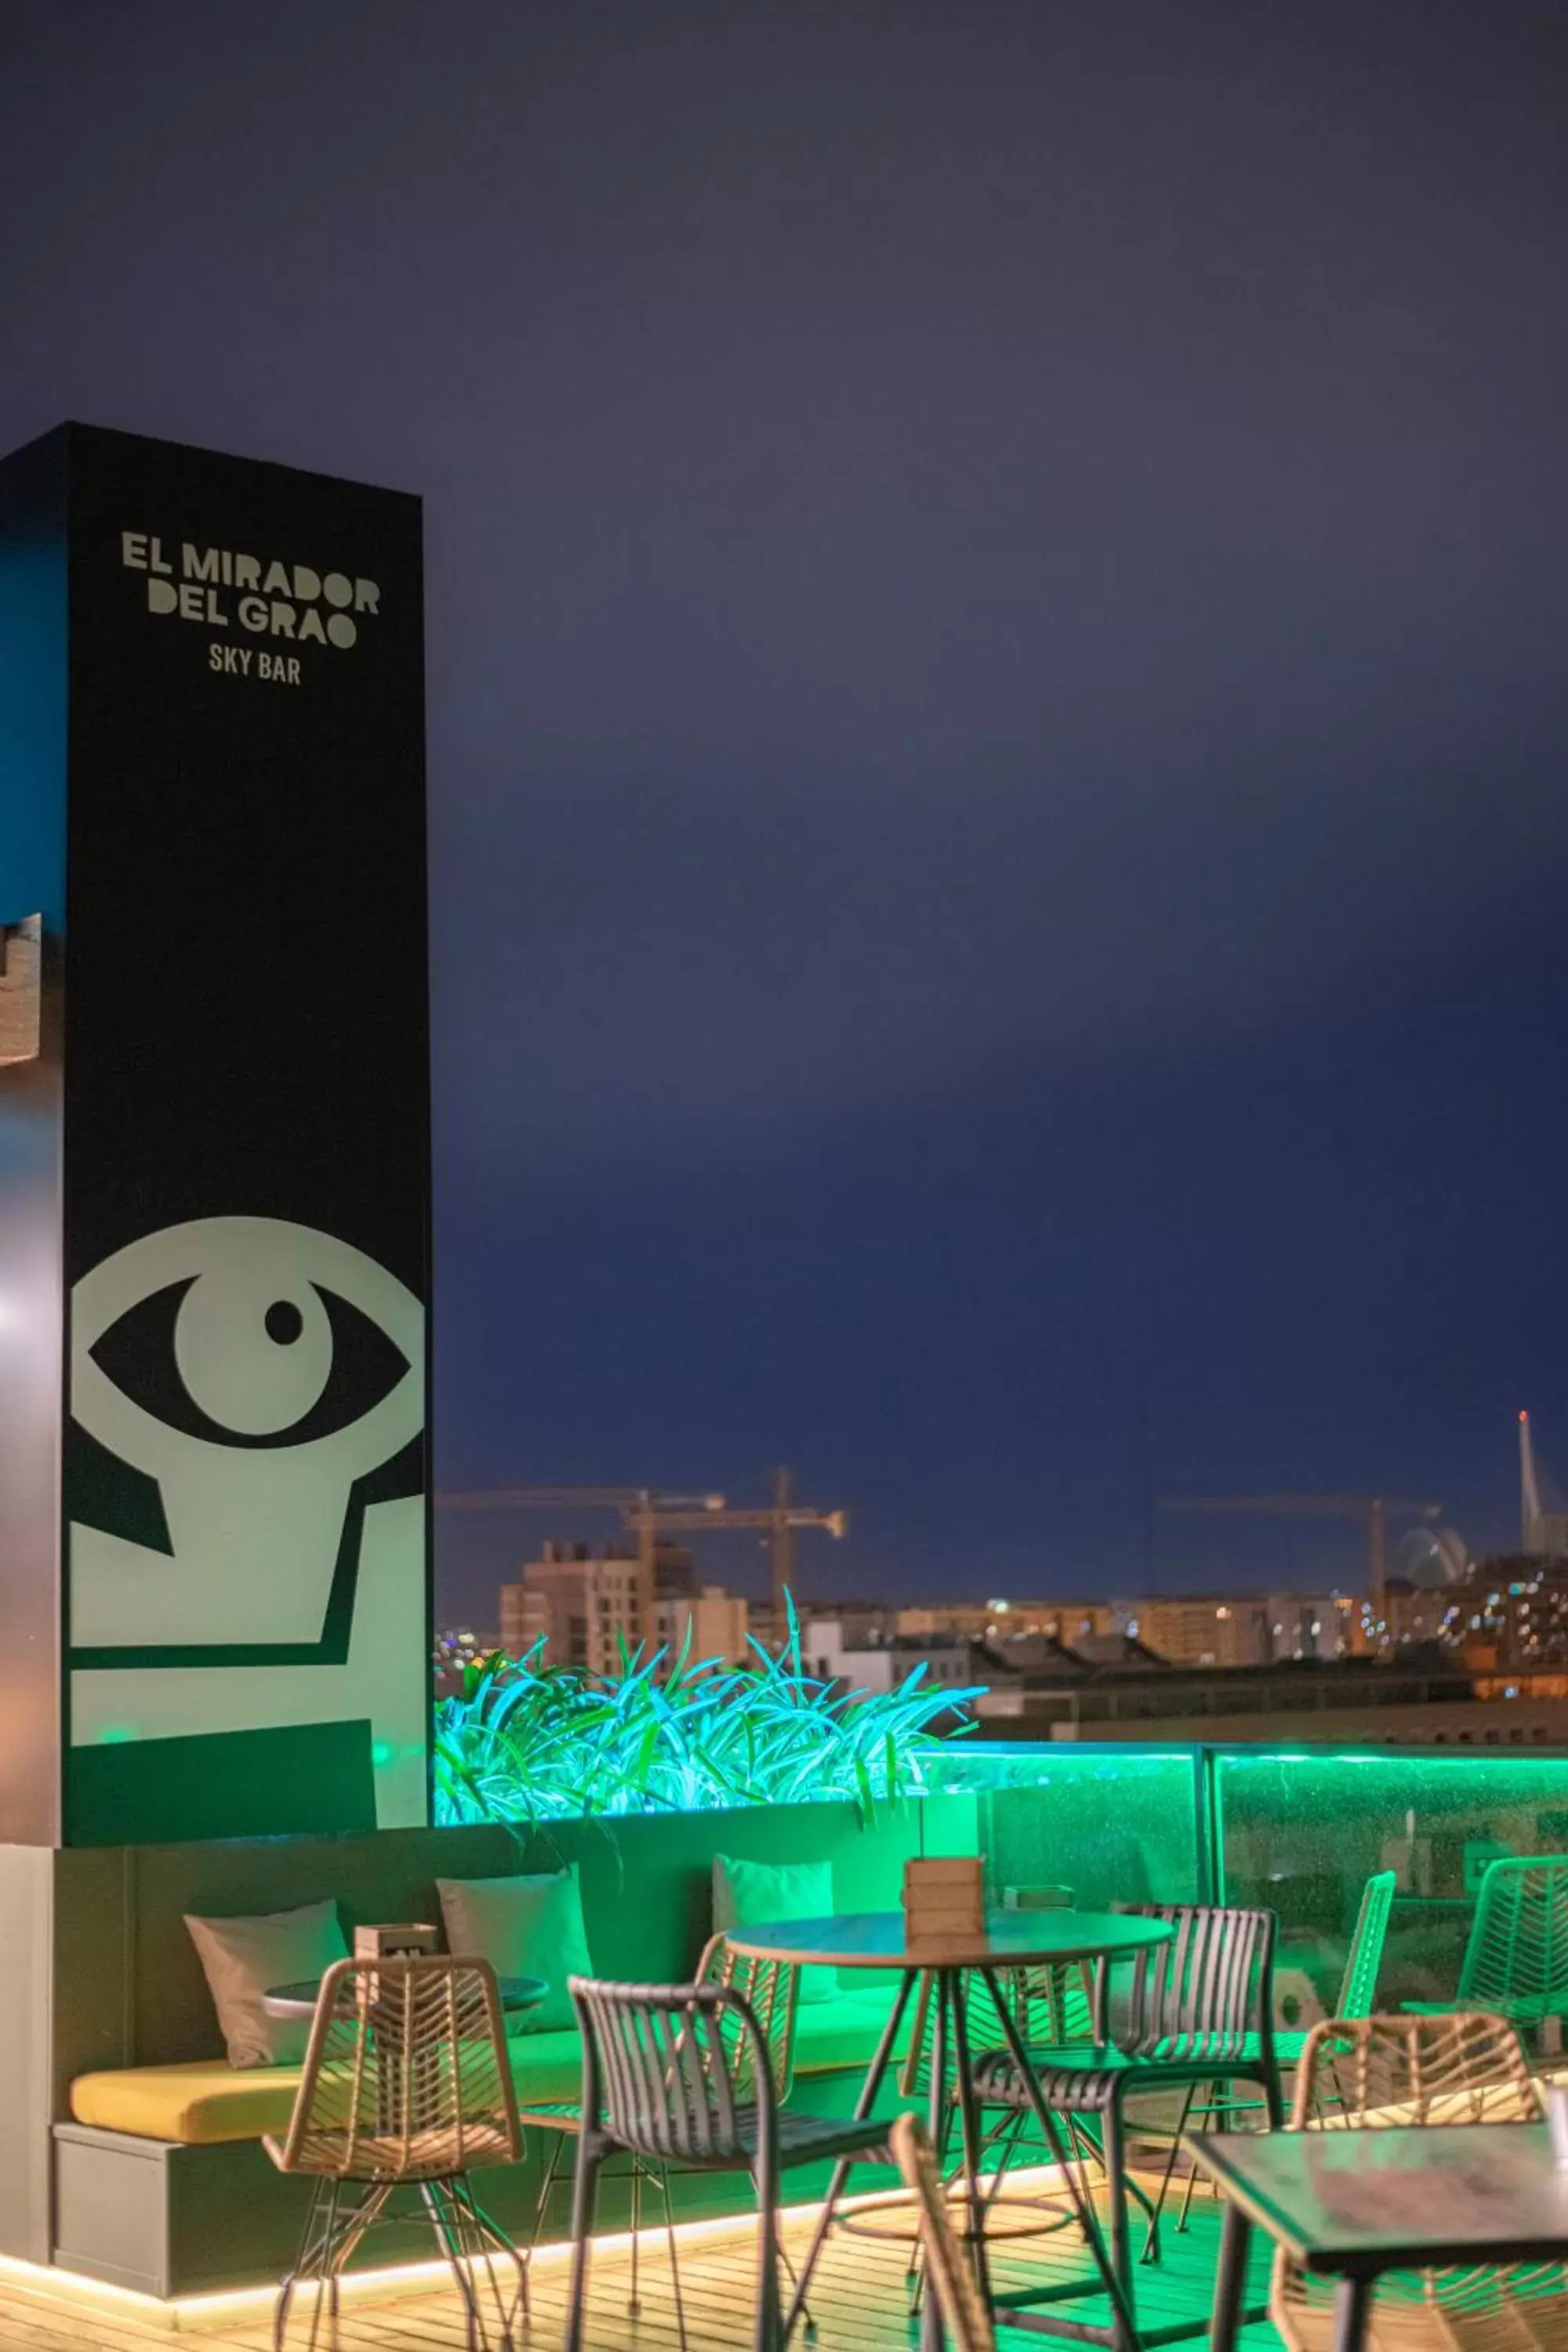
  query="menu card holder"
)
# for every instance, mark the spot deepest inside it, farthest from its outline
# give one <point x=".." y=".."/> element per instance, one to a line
<point x="944" y="1903"/>
<point x="404" y="1940"/>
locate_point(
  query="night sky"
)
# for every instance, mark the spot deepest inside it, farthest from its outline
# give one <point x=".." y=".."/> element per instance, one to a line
<point x="998" y="638"/>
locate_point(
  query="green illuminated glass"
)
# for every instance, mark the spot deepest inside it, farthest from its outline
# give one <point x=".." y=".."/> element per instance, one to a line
<point x="1110" y="1824"/>
<point x="1302" y="1831"/>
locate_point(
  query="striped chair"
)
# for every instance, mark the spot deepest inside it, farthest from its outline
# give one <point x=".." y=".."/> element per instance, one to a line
<point x="678" y="2076"/>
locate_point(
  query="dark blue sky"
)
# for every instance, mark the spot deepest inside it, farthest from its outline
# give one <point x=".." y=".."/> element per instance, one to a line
<point x="997" y="597"/>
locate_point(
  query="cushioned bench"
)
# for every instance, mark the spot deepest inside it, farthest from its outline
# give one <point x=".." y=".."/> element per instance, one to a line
<point x="151" y="2174"/>
<point x="201" y="2103"/>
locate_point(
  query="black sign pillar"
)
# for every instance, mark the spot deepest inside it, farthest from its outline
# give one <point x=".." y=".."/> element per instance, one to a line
<point x="213" y="1148"/>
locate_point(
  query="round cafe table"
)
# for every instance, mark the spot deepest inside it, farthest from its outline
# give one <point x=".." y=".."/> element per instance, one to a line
<point x="1011" y="1939"/>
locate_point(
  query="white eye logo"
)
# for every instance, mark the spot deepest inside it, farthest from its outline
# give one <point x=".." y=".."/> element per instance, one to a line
<point x="260" y="1372"/>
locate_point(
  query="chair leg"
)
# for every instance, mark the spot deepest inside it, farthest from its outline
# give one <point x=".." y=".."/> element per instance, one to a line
<point x="337" y="2254"/>
<point x="1120" y="2241"/>
<point x="551" y="2173"/>
<point x="290" y="2280"/>
<point x="304" y="2260"/>
<point x="914" y="2274"/>
<point x="768" y="2336"/>
<point x="333" y="2229"/>
<point x="448" y="2237"/>
<point x="327" y="2258"/>
<point x="634" y="2303"/>
<point x="1192" y="2179"/>
<point x="1151" y="2235"/>
<point x="487" y="2242"/>
<point x="584" y="2199"/>
<point x="674" y="2255"/>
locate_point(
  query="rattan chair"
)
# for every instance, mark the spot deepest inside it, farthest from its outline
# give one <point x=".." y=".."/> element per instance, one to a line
<point x="1516" y="1956"/>
<point x="963" y="2307"/>
<point x="772" y="1989"/>
<point x="1196" y="2009"/>
<point x="405" y="2086"/>
<point x="678" y="2076"/>
<point x="1376" y="2072"/>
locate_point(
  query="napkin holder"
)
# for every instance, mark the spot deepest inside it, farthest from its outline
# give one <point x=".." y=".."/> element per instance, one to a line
<point x="402" y="1941"/>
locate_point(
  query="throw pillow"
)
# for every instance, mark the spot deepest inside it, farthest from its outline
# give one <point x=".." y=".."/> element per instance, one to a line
<point x="524" y="1928"/>
<point x="246" y="1958"/>
<point x="748" y="1894"/>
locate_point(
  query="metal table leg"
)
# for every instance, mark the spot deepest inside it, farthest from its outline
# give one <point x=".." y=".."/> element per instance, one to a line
<point x="1125" y="2331"/>
<point x="969" y="2117"/>
<point x="1236" y="2240"/>
<point x="1352" y="2296"/>
<point x="931" y="2330"/>
<point x="875" y="2076"/>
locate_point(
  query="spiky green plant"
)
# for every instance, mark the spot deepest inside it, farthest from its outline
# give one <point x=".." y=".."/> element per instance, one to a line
<point x="524" y="1741"/>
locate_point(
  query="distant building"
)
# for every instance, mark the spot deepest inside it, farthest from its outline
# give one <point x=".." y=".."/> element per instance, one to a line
<point x="997" y="1621"/>
<point x="718" y="1622"/>
<point x="1510" y="1611"/>
<point x="1358" y="1699"/>
<point x="584" y="1605"/>
<point x="831" y="1651"/>
<point x="1246" y="1629"/>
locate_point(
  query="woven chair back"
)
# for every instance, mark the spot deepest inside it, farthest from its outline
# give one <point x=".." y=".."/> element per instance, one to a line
<point x="771" y="1990"/>
<point x="1358" y="1986"/>
<point x="405" y="2076"/>
<point x="1368" y="2073"/>
<point x="1206" y="1991"/>
<point x="677" y="2071"/>
<point x="969" y="2323"/>
<point x="1516" y="1960"/>
<point x="1374" y="2073"/>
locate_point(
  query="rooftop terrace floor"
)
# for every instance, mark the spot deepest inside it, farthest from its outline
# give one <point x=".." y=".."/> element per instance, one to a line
<point x="860" y="2302"/>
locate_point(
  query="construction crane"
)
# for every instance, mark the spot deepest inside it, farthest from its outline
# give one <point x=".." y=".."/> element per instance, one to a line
<point x="651" y="1513"/>
<point x="1372" y="1509"/>
<point x="574" y="1498"/>
<point x="780" y="1521"/>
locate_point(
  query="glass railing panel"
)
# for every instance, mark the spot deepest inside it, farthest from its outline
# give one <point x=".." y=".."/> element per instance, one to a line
<point x="1302" y="1829"/>
<point x="1112" y="1824"/>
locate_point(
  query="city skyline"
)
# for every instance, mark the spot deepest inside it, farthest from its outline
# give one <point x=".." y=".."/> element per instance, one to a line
<point x="996" y="828"/>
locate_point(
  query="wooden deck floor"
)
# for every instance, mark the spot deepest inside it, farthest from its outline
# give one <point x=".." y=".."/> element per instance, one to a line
<point x="860" y="2302"/>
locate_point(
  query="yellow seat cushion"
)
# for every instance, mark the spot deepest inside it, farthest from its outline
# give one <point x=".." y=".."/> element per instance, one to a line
<point x="202" y="2101"/>
<point x="205" y="2100"/>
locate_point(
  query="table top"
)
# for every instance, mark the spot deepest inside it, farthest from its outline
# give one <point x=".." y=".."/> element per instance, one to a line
<point x="300" y="2000"/>
<point x="1369" y="2200"/>
<point x="879" y="1939"/>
